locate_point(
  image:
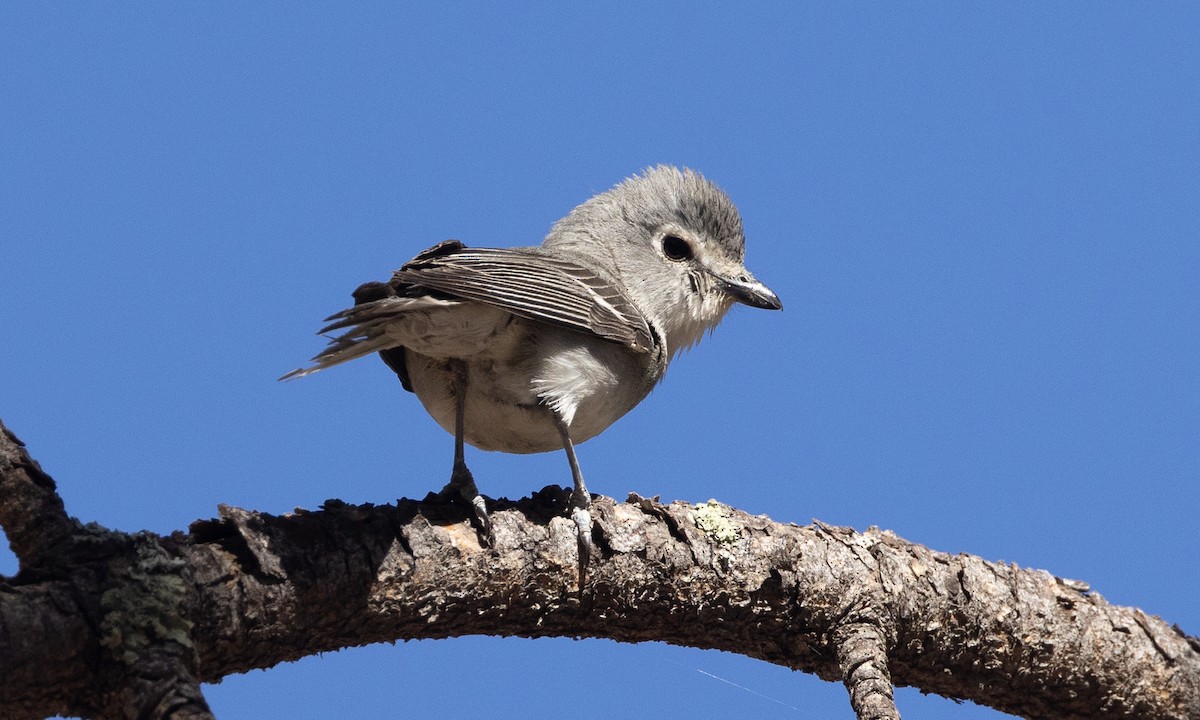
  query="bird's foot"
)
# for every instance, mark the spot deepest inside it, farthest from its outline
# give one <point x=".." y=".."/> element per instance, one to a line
<point x="581" y="515"/>
<point x="462" y="488"/>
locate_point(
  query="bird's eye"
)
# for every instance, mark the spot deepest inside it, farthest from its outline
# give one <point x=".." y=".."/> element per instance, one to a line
<point x="676" y="248"/>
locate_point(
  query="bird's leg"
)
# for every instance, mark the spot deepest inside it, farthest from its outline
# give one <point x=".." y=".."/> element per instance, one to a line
<point x="462" y="484"/>
<point x="580" y="504"/>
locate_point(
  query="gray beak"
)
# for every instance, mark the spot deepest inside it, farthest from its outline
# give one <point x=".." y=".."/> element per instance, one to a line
<point x="748" y="291"/>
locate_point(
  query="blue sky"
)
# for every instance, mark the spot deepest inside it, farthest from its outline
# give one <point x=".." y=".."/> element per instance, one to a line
<point x="984" y="222"/>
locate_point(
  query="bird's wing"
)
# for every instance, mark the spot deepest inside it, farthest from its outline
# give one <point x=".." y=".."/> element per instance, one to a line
<point x="530" y="285"/>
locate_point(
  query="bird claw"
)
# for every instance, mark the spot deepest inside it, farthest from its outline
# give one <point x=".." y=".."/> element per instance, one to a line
<point x="462" y="487"/>
<point x="485" y="521"/>
<point x="582" y="518"/>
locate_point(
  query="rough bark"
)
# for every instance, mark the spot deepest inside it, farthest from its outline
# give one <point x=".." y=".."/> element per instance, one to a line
<point x="106" y="624"/>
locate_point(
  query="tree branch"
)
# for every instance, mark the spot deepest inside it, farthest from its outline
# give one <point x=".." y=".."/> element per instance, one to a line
<point x="250" y="590"/>
<point x="31" y="512"/>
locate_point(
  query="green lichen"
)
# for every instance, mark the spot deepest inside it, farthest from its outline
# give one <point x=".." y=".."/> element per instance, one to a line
<point x="144" y="603"/>
<point x="716" y="521"/>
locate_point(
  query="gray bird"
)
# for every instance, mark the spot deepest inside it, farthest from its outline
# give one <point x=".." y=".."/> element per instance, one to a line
<point x="533" y="349"/>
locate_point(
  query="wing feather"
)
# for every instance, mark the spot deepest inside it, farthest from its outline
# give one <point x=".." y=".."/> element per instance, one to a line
<point x="531" y="285"/>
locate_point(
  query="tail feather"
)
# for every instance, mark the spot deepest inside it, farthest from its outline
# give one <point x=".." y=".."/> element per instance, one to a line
<point x="386" y="309"/>
<point x="366" y="334"/>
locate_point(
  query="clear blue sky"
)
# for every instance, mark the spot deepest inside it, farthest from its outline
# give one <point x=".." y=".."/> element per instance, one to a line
<point x="984" y="223"/>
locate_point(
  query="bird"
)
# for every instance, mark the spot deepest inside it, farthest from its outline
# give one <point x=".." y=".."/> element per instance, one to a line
<point x="539" y="348"/>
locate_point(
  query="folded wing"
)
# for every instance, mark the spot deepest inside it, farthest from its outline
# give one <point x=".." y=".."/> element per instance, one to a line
<point x="521" y="281"/>
<point x="531" y="285"/>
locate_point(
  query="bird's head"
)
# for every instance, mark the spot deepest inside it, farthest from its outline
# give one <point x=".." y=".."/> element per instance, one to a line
<point x="674" y="241"/>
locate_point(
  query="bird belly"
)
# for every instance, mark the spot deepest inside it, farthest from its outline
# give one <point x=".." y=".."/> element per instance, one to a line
<point x="514" y="388"/>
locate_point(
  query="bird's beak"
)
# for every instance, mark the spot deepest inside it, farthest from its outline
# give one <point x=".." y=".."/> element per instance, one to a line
<point x="748" y="291"/>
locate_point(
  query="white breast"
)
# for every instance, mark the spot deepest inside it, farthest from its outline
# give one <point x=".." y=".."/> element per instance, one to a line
<point x="527" y="370"/>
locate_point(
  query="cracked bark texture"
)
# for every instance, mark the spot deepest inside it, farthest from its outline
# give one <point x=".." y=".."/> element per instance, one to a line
<point x="106" y="624"/>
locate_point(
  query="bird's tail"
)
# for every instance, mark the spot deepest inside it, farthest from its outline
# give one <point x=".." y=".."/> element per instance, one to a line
<point x="365" y="328"/>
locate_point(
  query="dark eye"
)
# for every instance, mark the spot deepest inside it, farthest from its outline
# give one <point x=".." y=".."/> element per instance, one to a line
<point x="676" y="248"/>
